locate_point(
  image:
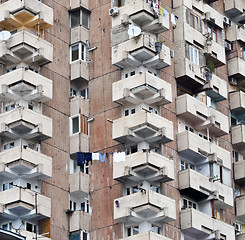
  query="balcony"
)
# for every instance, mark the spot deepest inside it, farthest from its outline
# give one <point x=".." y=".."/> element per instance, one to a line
<point x="20" y="160"/>
<point x="79" y="105"/>
<point x="239" y="171"/>
<point x="199" y="225"/>
<point x="145" y="206"/>
<point x="79" y="185"/>
<point x="79" y="71"/>
<point x="235" y="33"/>
<point x="26" y="85"/>
<point x="25" y="122"/>
<point x="216" y="88"/>
<point x="146" y="236"/>
<point x="26" y="14"/>
<point x="140" y="51"/>
<point x="236" y="69"/>
<point x="240" y="237"/>
<point x="20" y="201"/>
<point x="235" y="10"/>
<point x="142" y="126"/>
<point x="142" y="166"/>
<point x="79" y="220"/>
<point x="238" y="137"/>
<point x="141" y="13"/>
<point x="79" y="34"/>
<point x="142" y="88"/>
<point x="193" y="147"/>
<point x="199" y="187"/>
<point x="201" y="116"/>
<point x="240" y="208"/>
<point x="32" y="235"/>
<point x="237" y="104"/>
<point x="79" y="3"/>
<point x="26" y="47"/>
<point x="79" y="143"/>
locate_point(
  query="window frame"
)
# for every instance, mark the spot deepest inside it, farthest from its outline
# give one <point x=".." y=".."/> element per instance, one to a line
<point x="82" y="11"/>
<point x="71" y="124"/>
<point x="194" y="55"/>
<point x="212" y="30"/>
<point x="82" y="51"/>
<point x="193" y="22"/>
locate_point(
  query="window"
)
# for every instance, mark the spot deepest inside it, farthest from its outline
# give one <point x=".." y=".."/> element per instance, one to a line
<point x="194" y="21"/>
<point x="212" y="30"/>
<point x="132" y="231"/>
<point x="11" y="69"/>
<point x="73" y="205"/>
<point x="156" y="229"/>
<point x="235" y="156"/>
<point x="189" y="204"/>
<point x="28" y="186"/>
<point x="9" y="107"/>
<point x="153" y="110"/>
<point x="129" y="111"/>
<point x="78" y="52"/>
<point x="189" y="129"/>
<point x="84" y="93"/>
<point x="185" y="165"/>
<point x="85" y="206"/>
<point x="79" y="17"/>
<point x="30" y="227"/>
<point x="85" y="168"/>
<point x="75" y="124"/>
<point x="30" y="106"/>
<point x="131" y="150"/>
<point x="7" y="226"/>
<point x="194" y="55"/>
<point x="132" y="190"/>
<point x="73" y="92"/>
<point x="8" y="146"/>
<point x="242" y="52"/>
<point x="129" y="74"/>
<point x="154" y="188"/>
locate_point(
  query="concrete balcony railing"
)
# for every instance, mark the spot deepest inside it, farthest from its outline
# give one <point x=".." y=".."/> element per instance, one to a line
<point x="238" y="137"/>
<point x="32" y="235"/>
<point x="201" y="115"/>
<point x="200" y="187"/>
<point x="79" y="70"/>
<point x="240" y="208"/>
<point x="200" y="225"/>
<point x="79" y="143"/>
<point x="142" y="126"/>
<point x="216" y="54"/>
<point x="239" y="171"/>
<point x="236" y="68"/>
<point x="140" y="51"/>
<point x="79" y="34"/>
<point x="79" y="184"/>
<point x="195" y="148"/>
<point x="235" y="9"/>
<point x="237" y="104"/>
<point x="142" y="88"/>
<point x="79" y="3"/>
<point x="17" y="160"/>
<point x="79" y="105"/>
<point x="216" y="88"/>
<point x="28" y="123"/>
<point x="27" y="47"/>
<point x="23" y="202"/>
<point x="16" y="14"/>
<point x="141" y="166"/>
<point x="240" y="237"/>
<point x="146" y="236"/>
<point x="235" y="33"/>
<point x="144" y="206"/>
<point x="141" y="13"/>
<point x="25" y="84"/>
<point x="79" y="220"/>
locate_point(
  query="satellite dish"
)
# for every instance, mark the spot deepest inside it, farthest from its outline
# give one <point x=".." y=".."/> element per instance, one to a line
<point x="5" y="35"/>
<point x="134" y="31"/>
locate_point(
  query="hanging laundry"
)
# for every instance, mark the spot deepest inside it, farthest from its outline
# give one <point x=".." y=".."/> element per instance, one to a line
<point x="119" y="157"/>
<point x="155" y="9"/>
<point x="173" y="19"/>
<point x="95" y="156"/>
<point x="88" y="157"/>
<point x="160" y="10"/>
<point x="102" y="158"/>
<point x="165" y="12"/>
<point x="80" y="159"/>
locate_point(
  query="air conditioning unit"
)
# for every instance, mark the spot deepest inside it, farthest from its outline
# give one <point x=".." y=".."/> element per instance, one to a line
<point x="172" y="53"/>
<point x="228" y="46"/>
<point x="233" y="81"/>
<point x="113" y="11"/>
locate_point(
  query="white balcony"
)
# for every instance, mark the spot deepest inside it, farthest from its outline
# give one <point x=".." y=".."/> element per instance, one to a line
<point x="193" y="147"/>
<point x="32" y="235"/>
<point x="202" y="116"/>
<point x="20" y="201"/>
<point x="238" y="137"/>
<point x="235" y="9"/>
<point x="142" y="126"/>
<point x="79" y="184"/>
<point x="235" y="33"/>
<point x="216" y="88"/>
<point x="79" y="105"/>
<point x="141" y="166"/>
<point x="79" y="143"/>
<point x="79" y="220"/>
<point x="144" y="206"/>
<point x="140" y="51"/>
<point x="199" y="187"/>
<point x="240" y="208"/>
<point x="25" y="84"/>
<point x="142" y="88"/>
<point x="23" y="160"/>
<point x="237" y="104"/>
<point x="239" y="171"/>
<point x="25" y="122"/>
<point x="146" y="236"/>
<point x="201" y="226"/>
<point x="79" y="34"/>
<point x="79" y="3"/>
<point x="26" y="47"/>
<point x="79" y="71"/>
<point x="236" y="68"/>
<point x="141" y="13"/>
<point x="25" y="14"/>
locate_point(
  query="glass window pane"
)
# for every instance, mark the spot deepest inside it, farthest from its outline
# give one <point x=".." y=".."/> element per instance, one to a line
<point x="196" y="23"/>
<point x="135" y="230"/>
<point x="75" y="125"/>
<point x="75" y="53"/>
<point x="83" y="52"/>
<point x="85" y="19"/>
<point x="85" y="236"/>
<point x="83" y="206"/>
<point x="75" y="18"/>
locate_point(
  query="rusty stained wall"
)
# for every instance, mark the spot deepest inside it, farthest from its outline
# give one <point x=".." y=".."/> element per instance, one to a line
<point x="58" y="109"/>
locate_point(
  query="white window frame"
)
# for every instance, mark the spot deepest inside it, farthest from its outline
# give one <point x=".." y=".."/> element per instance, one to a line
<point x="131" y="230"/>
<point x="9" y="226"/>
<point x="130" y="110"/>
<point x="87" y="205"/>
<point x="186" y="165"/>
<point x="33" y="226"/>
<point x="194" y="55"/>
<point x="190" y="204"/>
<point x="81" y="54"/>
<point x="8" y="144"/>
<point x="71" y="124"/>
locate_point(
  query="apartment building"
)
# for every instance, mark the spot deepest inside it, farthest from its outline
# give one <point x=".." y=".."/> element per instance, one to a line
<point x="122" y="119"/>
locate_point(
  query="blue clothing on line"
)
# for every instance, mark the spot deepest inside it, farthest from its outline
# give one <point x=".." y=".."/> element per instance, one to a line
<point x="102" y="158"/>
